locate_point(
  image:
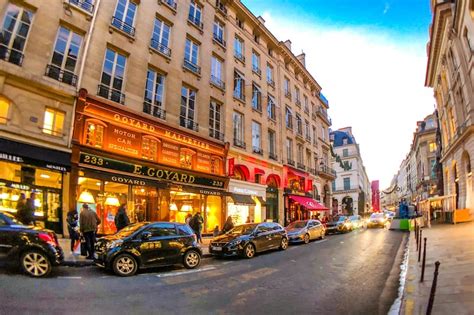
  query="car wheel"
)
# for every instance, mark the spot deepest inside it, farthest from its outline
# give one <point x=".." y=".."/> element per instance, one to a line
<point x="191" y="259"/>
<point x="125" y="265"/>
<point x="306" y="238"/>
<point x="249" y="251"/>
<point x="35" y="263"/>
<point x="284" y="243"/>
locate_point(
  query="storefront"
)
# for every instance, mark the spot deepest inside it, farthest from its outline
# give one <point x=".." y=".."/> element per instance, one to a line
<point x="27" y="169"/>
<point x="161" y="173"/>
<point x="246" y="202"/>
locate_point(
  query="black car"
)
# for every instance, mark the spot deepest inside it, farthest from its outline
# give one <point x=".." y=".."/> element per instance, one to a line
<point x="248" y="239"/>
<point x="305" y="231"/>
<point x="34" y="249"/>
<point x="146" y="245"/>
<point x="340" y="224"/>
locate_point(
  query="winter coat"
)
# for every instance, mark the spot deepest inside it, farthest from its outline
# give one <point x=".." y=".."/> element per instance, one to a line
<point x="121" y="218"/>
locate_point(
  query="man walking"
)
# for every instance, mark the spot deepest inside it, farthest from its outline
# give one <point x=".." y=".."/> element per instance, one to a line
<point x="121" y="218"/>
<point x="88" y="225"/>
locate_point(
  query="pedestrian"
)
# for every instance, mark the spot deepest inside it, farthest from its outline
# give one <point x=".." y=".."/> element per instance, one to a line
<point x="197" y="224"/>
<point x="228" y="225"/>
<point x="21" y="208"/>
<point x="215" y="232"/>
<point x="121" y="218"/>
<point x="29" y="215"/>
<point x="89" y="222"/>
<point x="188" y="218"/>
<point x="73" y="228"/>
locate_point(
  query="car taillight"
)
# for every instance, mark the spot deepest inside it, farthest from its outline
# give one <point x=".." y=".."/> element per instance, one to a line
<point x="48" y="238"/>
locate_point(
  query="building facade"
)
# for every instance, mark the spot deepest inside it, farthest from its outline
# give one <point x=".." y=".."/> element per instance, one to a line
<point x="450" y="73"/>
<point x="351" y="188"/>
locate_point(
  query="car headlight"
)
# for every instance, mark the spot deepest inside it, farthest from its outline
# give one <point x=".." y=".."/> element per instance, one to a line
<point x="114" y="244"/>
<point x="235" y="243"/>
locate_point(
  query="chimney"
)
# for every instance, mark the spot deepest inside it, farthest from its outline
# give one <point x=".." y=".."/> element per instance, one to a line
<point x="288" y="44"/>
<point x="302" y="58"/>
<point x="260" y="19"/>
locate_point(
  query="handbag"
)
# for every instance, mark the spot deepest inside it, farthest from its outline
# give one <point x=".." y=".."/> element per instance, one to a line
<point x="83" y="246"/>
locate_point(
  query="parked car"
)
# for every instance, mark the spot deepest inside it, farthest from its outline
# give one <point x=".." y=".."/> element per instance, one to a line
<point x="377" y="220"/>
<point x="340" y="224"/>
<point x="248" y="239"/>
<point x="34" y="249"/>
<point x="390" y="215"/>
<point x="305" y="231"/>
<point x="148" y="244"/>
<point x="356" y="221"/>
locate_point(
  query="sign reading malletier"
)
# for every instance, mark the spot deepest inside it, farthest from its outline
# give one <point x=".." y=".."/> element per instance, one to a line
<point x="155" y="173"/>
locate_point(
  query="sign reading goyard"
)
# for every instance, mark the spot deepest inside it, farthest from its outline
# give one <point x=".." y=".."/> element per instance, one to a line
<point x="148" y="172"/>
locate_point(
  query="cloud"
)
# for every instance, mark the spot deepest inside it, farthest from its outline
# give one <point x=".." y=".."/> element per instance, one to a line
<point x="374" y="82"/>
<point x="386" y="8"/>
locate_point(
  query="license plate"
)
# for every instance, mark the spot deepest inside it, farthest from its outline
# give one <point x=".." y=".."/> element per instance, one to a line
<point x="96" y="256"/>
<point x="216" y="248"/>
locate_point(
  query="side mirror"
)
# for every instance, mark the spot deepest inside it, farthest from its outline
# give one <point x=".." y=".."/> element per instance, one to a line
<point x="145" y="235"/>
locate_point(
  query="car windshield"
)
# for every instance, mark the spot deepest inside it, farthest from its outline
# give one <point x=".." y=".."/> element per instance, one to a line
<point x="130" y="229"/>
<point x="377" y="216"/>
<point x="244" y="229"/>
<point x="297" y="225"/>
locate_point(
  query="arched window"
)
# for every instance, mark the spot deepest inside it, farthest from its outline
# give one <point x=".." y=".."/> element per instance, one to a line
<point x="4" y="109"/>
<point x="216" y="163"/>
<point x="149" y="148"/>
<point x="94" y="133"/>
<point x="239" y="174"/>
<point x="186" y="158"/>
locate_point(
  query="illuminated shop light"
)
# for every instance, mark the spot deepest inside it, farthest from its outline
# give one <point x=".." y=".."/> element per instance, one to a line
<point x="112" y="201"/>
<point x="173" y="207"/>
<point x="86" y="197"/>
<point x="46" y="176"/>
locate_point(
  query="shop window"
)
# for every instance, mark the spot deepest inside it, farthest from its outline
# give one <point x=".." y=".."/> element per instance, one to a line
<point x="53" y="122"/>
<point x="48" y="178"/>
<point x="10" y="171"/>
<point x="186" y="158"/>
<point x="4" y="107"/>
<point x="149" y="148"/>
<point x="94" y="134"/>
<point x="215" y="165"/>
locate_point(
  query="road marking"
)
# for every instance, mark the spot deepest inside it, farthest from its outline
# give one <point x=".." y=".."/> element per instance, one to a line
<point x="70" y="277"/>
<point x="179" y="273"/>
<point x="321" y="241"/>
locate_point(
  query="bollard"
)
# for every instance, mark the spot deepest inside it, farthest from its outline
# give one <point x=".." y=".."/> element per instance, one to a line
<point x="424" y="262"/>
<point x="417" y="230"/>
<point x="433" y="289"/>
<point x="419" y="246"/>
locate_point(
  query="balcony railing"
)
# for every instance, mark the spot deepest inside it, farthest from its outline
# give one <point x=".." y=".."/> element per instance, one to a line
<point x="273" y="156"/>
<point x="11" y="55"/>
<point x="321" y="112"/>
<point x="217" y="82"/>
<point x="83" y="4"/>
<point x="195" y="21"/>
<point x="61" y="75"/>
<point x="170" y="3"/>
<point x="301" y="166"/>
<point x="239" y="143"/>
<point x="213" y="133"/>
<point x="219" y="39"/>
<point x="111" y="94"/>
<point x="159" y="47"/>
<point x="221" y="7"/>
<point x="308" y="139"/>
<point x="257" y="70"/>
<point x="288" y="95"/>
<point x="271" y="83"/>
<point x="154" y="110"/>
<point x="188" y="123"/>
<point x="239" y="56"/>
<point x="291" y="162"/>
<point x="298" y="102"/>
<point x="257" y="150"/>
<point x="312" y="171"/>
<point x="123" y="26"/>
<point x="191" y="67"/>
<point x="326" y="171"/>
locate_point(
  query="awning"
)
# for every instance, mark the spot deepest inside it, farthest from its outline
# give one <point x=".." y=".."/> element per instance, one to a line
<point x="308" y="203"/>
<point x="242" y="199"/>
<point x="261" y="200"/>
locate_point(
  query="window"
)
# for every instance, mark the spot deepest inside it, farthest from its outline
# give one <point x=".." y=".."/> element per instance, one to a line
<point x="469" y="40"/>
<point x="271" y="110"/>
<point x="433" y="168"/>
<point x="215" y="165"/>
<point x="215" y="110"/>
<point x="286" y="86"/>
<point x="218" y="32"/>
<point x="345" y="152"/>
<point x="256" y="137"/>
<point x="195" y="14"/>
<point x="289" y="148"/>
<point x="314" y="135"/>
<point x="94" y="134"/>
<point x="149" y="148"/>
<point x="299" y="125"/>
<point x="4" y="108"/>
<point x="256" y="38"/>
<point x="160" y="39"/>
<point x="188" y="105"/>
<point x="239" y="49"/>
<point x="87" y="5"/>
<point x="299" y="151"/>
<point x="65" y="55"/>
<point x="452" y="124"/>
<point x="191" y="56"/>
<point x="154" y="93"/>
<point x="239" y="85"/>
<point x="53" y="123"/>
<point x="432" y="146"/>
<point x="113" y="76"/>
<point x="238" y="128"/>
<point x="323" y="133"/>
<point x="272" y="143"/>
<point x="162" y="229"/>
<point x="297" y="96"/>
<point x="333" y="185"/>
<point x="306" y="104"/>
<point x="216" y="72"/>
<point x="256" y="97"/>
<point x="289" y="118"/>
<point x="256" y="63"/>
<point x="124" y="16"/>
<point x="16" y="26"/>
<point x="239" y="23"/>
<point x="270" y="75"/>
<point x="347" y="183"/>
<point x="308" y="158"/>
<point x="186" y="158"/>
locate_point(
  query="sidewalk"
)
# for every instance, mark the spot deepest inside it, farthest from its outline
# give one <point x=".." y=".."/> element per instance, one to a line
<point x="453" y="247"/>
<point x="77" y="260"/>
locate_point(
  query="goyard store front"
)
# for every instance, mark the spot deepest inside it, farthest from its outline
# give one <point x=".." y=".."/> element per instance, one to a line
<point x="161" y="173"/>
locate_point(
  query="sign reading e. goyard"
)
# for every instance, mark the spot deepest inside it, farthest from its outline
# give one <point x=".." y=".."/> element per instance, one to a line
<point x="149" y="172"/>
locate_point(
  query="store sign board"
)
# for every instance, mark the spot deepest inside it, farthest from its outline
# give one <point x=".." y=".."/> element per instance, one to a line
<point x="169" y="154"/>
<point x="149" y="172"/>
<point x="18" y="159"/>
<point x="123" y="141"/>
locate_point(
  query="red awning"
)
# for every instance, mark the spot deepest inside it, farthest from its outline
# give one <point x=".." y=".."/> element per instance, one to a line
<point x="308" y="203"/>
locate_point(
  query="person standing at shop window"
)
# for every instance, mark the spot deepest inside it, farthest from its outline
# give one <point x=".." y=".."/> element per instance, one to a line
<point x="121" y="218"/>
<point x="73" y="229"/>
<point x="196" y="224"/>
<point x="21" y="208"/>
<point x="89" y="222"/>
<point x="29" y="216"/>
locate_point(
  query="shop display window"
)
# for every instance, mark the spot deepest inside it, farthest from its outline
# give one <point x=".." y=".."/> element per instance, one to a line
<point x="48" y="178"/>
<point x="213" y="216"/>
<point x="94" y="134"/>
<point x="186" y="158"/>
<point x="149" y="148"/>
<point x="10" y="171"/>
<point x="114" y="195"/>
<point x="239" y="213"/>
<point x="183" y="203"/>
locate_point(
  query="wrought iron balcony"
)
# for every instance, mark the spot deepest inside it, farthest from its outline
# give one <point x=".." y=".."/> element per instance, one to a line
<point x="221" y="8"/>
<point x="191" y="67"/>
<point x="257" y="150"/>
<point x="213" y="133"/>
<point x="312" y="171"/>
<point x="11" y="55"/>
<point x="219" y="39"/>
<point x="271" y="82"/>
<point x="298" y="102"/>
<point x="195" y="21"/>
<point x="156" y="45"/>
<point x="301" y="166"/>
<point x="111" y="94"/>
<point x="288" y="95"/>
<point x="324" y="115"/>
<point x="83" y="4"/>
<point x="273" y="156"/>
<point x="239" y="56"/>
<point x="61" y="75"/>
<point x="257" y="70"/>
<point x="154" y="110"/>
<point x="291" y="162"/>
<point x="123" y="26"/>
<point x="239" y="143"/>
<point x="170" y="3"/>
<point x="326" y="171"/>
<point x="217" y="82"/>
<point x="188" y="123"/>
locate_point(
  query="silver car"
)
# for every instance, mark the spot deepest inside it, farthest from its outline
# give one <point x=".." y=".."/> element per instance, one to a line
<point x="305" y="231"/>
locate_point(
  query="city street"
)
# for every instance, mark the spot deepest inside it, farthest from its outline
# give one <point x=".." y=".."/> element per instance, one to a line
<point x="354" y="273"/>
